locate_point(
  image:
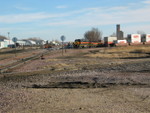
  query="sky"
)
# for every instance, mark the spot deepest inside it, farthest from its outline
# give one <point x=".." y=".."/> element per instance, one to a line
<point x="50" y="19"/>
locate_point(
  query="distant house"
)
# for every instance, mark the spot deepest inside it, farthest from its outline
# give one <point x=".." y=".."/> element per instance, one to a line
<point x="21" y="42"/>
<point x="29" y="42"/>
<point x="40" y="42"/>
<point x="9" y="42"/>
<point x="5" y="43"/>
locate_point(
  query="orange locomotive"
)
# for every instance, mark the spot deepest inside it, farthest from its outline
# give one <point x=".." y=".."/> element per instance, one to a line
<point x="79" y="43"/>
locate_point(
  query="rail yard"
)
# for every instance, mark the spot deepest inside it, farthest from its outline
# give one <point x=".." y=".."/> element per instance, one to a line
<point x="75" y="56"/>
<point x="81" y="80"/>
<point x="10" y="58"/>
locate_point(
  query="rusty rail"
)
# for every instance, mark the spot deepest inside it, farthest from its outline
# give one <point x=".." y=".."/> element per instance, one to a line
<point x="21" y="62"/>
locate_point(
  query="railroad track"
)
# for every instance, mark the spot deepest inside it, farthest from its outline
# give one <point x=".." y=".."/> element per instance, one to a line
<point x="22" y="61"/>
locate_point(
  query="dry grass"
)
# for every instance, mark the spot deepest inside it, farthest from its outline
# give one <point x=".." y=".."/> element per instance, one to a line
<point x="121" y="52"/>
<point x="130" y="48"/>
<point x="80" y="59"/>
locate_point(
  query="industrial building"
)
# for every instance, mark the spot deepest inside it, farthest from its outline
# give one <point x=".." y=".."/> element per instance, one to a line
<point x="119" y="33"/>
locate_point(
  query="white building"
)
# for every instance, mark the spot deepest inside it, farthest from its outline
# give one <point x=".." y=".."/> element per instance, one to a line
<point x="21" y="42"/>
<point x="29" y="42"/>
<point x="40" y="42"/>
<point x="110" y="40"/>
<point x="9" y="42"/>
<point x="4" y="43"/>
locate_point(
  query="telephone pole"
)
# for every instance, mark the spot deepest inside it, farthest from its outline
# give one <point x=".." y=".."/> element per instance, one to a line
<point x="9" y="37"/>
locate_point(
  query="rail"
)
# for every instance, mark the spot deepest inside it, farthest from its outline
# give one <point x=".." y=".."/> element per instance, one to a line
<point x="20" y="62"/>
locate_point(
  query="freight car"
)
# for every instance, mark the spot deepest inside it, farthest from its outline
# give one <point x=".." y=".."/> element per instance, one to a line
<point x="110" y="41"/>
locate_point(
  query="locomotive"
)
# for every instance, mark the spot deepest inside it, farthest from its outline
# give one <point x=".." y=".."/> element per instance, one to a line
<point x="80" y="43"/>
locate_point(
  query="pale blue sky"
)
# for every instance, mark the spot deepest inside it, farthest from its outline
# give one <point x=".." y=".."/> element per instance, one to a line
<point x="49" y="19"/>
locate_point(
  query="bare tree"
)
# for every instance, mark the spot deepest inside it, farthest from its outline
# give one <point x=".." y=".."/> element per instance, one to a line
<point x="113" y="35"/>
<point x="57" y="41"/>
<point x="3" y="37"/>
<point x="140" y="32"/>
<point x="93" y="35"/>
<point x="34" y="38"/>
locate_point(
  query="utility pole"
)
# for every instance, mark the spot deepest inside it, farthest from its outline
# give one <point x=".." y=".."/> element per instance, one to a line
<point x="15" y="41"/>
<point x="9" y="37"/>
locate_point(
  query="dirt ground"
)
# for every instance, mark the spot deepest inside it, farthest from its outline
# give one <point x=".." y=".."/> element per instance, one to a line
<point x="98" y="100"/>
<point x="82" y="81"/>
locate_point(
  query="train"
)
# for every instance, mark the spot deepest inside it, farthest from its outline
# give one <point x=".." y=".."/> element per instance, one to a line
<point x="132" y="39"/>
<point x="80" y="43"/>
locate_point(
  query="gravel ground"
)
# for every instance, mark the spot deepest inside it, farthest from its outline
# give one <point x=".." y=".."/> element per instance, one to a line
<point x="23" y="94"/>
<point x="99" y="100"/>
